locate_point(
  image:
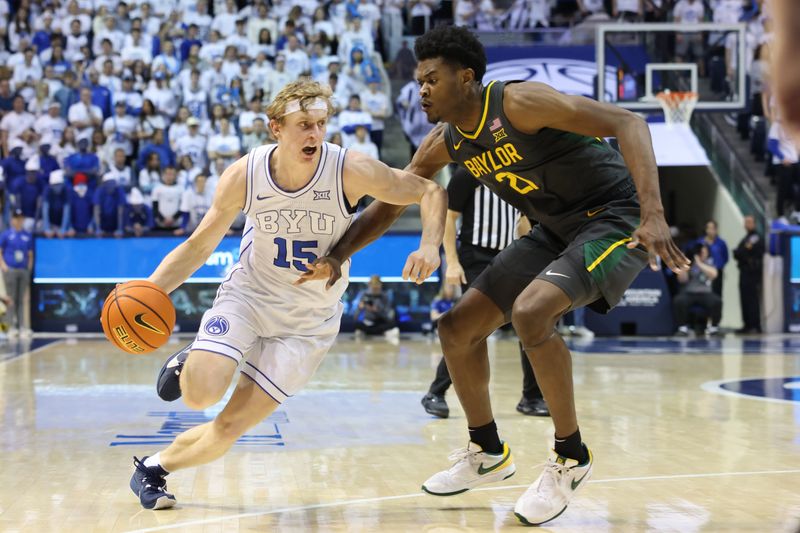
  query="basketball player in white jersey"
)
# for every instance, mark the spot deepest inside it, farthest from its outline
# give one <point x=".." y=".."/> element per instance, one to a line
<point x="298" y="196"/>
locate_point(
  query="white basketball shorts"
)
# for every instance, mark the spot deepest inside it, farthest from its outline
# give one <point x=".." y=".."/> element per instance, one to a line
<point x="280" y="364"/>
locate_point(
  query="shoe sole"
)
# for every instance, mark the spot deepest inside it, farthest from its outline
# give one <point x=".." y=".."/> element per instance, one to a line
<point x="163" y="503"/>
<point x="527" y="523"/>
<point x="424" y="489"/>
<point x="437" y="415"/>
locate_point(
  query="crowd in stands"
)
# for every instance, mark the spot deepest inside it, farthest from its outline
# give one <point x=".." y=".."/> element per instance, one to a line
<point x="118" y="118"/>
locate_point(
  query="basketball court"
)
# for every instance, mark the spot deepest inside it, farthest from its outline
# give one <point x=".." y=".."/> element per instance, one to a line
<point x="685" y="439"/>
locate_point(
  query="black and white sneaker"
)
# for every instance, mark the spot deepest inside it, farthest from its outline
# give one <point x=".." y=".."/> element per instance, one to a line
<point x="150" y="485"/>
<point x="169" y="385"/>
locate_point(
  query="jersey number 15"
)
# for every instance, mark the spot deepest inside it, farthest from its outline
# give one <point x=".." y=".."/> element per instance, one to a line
<point x="300" y="251"/>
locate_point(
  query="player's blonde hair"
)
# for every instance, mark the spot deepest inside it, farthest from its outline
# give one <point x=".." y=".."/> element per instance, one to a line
<point x="305" y="92"/>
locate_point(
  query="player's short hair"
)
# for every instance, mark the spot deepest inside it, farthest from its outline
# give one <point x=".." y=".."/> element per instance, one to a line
<point x="305" y="92"/>
<point x="455" y="45"/>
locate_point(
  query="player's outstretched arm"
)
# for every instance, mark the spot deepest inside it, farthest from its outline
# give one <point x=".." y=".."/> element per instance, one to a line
<point x="364" y="176"/>
<point x="379" y="216"/>
<point x="533" y="106"/>
<point x="190" y="255"/>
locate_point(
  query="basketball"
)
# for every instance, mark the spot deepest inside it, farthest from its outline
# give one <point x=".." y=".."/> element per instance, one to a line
<point x="138" y="317"/>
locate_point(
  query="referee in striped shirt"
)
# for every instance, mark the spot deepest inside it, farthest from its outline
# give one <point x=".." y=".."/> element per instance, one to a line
<point x="488" y="224"/>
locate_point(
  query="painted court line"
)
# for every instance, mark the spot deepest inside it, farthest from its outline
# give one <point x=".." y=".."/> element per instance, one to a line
<point x="343" y="503"/>
<point x="15" y="356"/>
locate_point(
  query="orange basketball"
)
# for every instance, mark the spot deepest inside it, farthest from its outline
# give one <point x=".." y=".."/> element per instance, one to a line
<point x="138" y="317"/>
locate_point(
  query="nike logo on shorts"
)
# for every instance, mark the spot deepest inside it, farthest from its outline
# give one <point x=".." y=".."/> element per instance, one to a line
<point x="592" y="212"/>
<point x="551" y="273"/>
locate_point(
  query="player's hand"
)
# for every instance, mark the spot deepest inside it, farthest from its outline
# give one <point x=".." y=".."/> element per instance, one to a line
<point x="653" y="233"/>
<point x="455" y="274"/>
<point x="421" y="264"/>
<point x="327" y="268"/>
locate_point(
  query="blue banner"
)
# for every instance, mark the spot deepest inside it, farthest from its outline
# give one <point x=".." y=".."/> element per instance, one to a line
<point x="68" y="261"/>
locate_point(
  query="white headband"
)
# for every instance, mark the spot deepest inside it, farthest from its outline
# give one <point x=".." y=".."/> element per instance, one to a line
<point x="293" y="106"/>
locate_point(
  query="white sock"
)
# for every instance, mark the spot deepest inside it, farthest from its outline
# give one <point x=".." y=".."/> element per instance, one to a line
<point x="153" y="460"/>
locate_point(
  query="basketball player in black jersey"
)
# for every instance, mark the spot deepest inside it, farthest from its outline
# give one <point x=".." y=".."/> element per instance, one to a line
<point x="600" y="222"/>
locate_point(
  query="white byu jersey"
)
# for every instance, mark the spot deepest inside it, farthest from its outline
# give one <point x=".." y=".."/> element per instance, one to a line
<point x="285" y="231"/>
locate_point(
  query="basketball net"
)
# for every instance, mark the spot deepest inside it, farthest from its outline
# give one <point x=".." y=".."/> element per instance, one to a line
<point x="677" y="105"/>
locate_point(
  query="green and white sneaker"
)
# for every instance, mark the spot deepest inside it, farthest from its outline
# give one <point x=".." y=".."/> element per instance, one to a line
<point x="549" y="495"/>
<point x="472" y="467"/>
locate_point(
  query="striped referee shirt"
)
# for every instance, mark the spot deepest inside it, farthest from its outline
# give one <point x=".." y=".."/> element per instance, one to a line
<point x="486" y="220"/>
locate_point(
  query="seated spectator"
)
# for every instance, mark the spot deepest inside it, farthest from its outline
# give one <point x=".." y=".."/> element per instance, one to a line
<point x="374" y="313"/>
<point x="361" y="69"/>
<point x="695" y="290"/>
<point x="109" y="207"/>
<point x="138" y="218"/>
<point x="26" y="75"/>
<point x="195" y="203"/>
<point x="26" y="195"/>
<point x="246" y="118"/>
<point x="351" y="117"/>
<point x="361" y="142"/>
<point x="14" y="165"/>
<point x="149" y="175"/>
<point x="166" y="198"/>
<point x="84" y="115"/>
<point x="150" y="121"/>
<point x="224" y="144"/>
<point x="47" y="163"/>
<point x="162" y="97"/>
<point x="81" y="210"/>
<point x="50" y="126"/>
<point x="55" y="206"/>
<point x="130" y="96"/>
<point x="193" y="144"/>
<point x="120" y="130"/>
<point x="187" y="171"/>
<point x="443" y="302"/>
<point x="257" y="137"/>
<point x="375" y="102"/>
<point x="119" y="171"/>
<point x="195" y="97"/>
<point x="278" y="78"/>
<point x="84" y="162"/>
<point x="14" y="123"/>
<point x="159" y="145"/>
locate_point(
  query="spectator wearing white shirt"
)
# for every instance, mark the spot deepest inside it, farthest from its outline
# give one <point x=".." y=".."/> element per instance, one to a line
<point x="225" y="22"/>
<point x="257" y="137"/>
<point x="120" y="130"/>
<point x="689" y="12"/>
<point x="85" y="116"/>
<point x="193" y="144"/>
<point x="239" y="37"/>
<point x="188" y="171"/>
<point x="628" y="10"/>
<point x="50" y="126"/>
<point x="15" y="123"/>
<point x="464" y="13"/>
<point x="167" y="60"/>
<point x="75" y="42"/>
<point x="260" y="22"/>
<point x="246" y="118"/>
<point x="73" y="13"/>
<point x="214" y="82"/>
<point x="351" y="117"/>
<point x="259" y="71"/>
<point x="375" y="102"/>
<point x="119" y="171"/>
<point x="136" y="48"/>
<point x="197" y="14"/>
<point x="355" y="37"/>
<point x="224" y="144"/>
<point x="278" y="78"/>
<point x="108" y="53"/>
<point x="133" y="99"/>
<point x="162" y="96"/>
<point x="360" y="142"/>
<point x="166" y="198"/>
<point x="108" y="78"/>
<point x="115" y="37"/>
<point x="213" y="49"/>
<point x="230" y="64"/>
<point x="195" y="203"/>
<point x="28" y="73"/>
<point x="296" y="58"/>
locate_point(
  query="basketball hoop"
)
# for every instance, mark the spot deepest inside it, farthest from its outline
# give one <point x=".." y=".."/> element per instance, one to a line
<point x="677" y="105"/>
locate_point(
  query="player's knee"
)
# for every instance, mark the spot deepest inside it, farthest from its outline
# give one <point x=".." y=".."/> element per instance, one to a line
<point x="533" y="320"/>
<point x="229" y="428"/>
<point x="453" y="334"/>
<point x="201" y="389"/>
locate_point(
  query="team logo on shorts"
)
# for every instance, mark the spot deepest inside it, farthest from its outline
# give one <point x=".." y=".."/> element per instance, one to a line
<point x="217" y="325"/>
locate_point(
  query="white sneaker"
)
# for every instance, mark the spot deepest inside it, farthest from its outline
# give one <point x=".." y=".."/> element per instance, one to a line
<point x="582" y="331"/>
<point x="472" y="467"/>
<point x="392" y="334"/>
<point x="683" y="331"/>
<point x="549" y="495"/>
